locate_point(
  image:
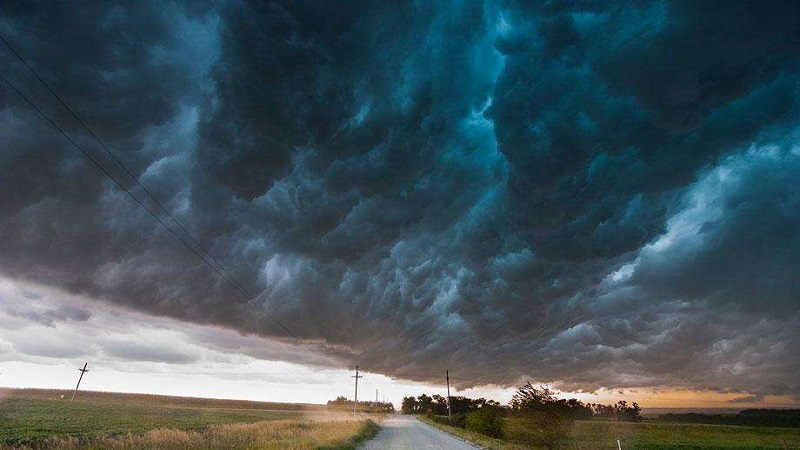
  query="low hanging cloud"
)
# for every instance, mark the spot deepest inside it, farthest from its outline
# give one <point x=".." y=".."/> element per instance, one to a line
<point x="592" y="196"/>
<point x="121" y="339"/>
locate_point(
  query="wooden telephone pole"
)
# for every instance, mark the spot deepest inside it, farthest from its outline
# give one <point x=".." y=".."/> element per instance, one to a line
<point x="355" y="401"/>
<point x="83" y="371"/>
<point x="449" y="412"/>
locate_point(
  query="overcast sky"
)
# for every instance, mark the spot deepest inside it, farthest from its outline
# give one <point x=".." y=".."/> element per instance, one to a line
<point x="600" y="197"/>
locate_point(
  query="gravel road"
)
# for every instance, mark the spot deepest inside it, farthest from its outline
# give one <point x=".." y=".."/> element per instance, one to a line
<point x="402" y="432"/>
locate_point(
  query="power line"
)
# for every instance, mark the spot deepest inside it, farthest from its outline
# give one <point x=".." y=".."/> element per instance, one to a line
<point x="134" y="178"/>
<point x="205" y="259"/>
<point x="113" y="156"/>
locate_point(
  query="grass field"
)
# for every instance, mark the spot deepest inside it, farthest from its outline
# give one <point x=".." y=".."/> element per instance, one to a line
<point x="650" y="436"/>
<point x="41" y="418"/>
<point x="265" y="435"/>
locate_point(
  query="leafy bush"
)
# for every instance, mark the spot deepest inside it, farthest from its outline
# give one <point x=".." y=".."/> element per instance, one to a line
<point x="459" y="420"/>
<point x="486" y="421"/>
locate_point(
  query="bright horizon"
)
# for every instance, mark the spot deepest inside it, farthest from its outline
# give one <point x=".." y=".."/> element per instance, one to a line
<point x="182" y="363"/>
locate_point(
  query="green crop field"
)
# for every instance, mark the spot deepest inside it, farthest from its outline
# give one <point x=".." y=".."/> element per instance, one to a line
<point x="600" y="434"/>
<point x="663" y="436"/>
<point x="31" y="417"/>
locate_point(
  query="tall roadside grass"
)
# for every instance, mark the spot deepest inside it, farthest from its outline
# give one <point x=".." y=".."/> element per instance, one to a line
<point x="476" y="438"/>
<point x="265" y="435"/>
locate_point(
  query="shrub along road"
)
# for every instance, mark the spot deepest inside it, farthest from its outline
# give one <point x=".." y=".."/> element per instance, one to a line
<point x="405" y="432"/>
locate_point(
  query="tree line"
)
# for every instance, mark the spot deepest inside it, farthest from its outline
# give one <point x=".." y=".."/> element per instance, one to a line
<point x="539" y="417"/>
<point x="528" y="398"/>
<point x="437" y="405"/>
<point x="784" y="418"/>
<point x="344" y="403"/>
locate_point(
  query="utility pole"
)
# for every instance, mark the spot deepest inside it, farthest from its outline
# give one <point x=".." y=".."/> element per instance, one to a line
<point x="376" y="401"/>
<point x="83" y="371"/>
<point x="355" y="401"/>
<point x="449" y="412"/>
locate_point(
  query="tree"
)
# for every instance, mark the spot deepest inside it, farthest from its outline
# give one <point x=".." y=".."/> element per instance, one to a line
<point x="463" y="405"/>
<point x="529" y="398"/>
<point x="604" y="411"/>
<point x="439" y="405"/>
<point x="340" y="401"/>
<point x="578" y="410"/>
<point x="409" y="405"/>
<point x="618" y="411"/>
<point x="628" y="413"/>
<point x="424" y="404"/>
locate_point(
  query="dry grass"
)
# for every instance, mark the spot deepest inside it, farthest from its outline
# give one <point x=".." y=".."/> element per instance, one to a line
<point x="266" y="435"/>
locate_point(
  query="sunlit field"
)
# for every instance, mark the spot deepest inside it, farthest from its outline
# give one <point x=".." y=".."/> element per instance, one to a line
<point x="43" y="419"/>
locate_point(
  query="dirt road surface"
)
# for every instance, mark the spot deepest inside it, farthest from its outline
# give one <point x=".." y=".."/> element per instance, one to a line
<point x="402" y="432"/>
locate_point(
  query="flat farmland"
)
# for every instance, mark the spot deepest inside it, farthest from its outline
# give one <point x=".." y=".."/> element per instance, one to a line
<point x="43" y="419"/>
<point x="647" y="435"/>
<point x="653" y="435"/>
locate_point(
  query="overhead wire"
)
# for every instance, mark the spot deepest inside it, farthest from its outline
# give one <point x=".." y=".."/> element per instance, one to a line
<point x="108" y="151"/>
<point x="205" y="256"/>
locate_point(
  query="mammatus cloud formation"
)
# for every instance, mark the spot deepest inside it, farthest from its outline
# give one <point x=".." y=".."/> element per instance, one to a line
<point x="588" y="195"/>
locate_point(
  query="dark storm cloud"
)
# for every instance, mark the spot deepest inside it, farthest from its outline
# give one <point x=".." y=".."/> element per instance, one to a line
<point x="595" y="195"/>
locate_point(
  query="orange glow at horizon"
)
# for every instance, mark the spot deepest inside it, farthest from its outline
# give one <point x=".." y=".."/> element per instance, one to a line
<point x="682" y="398"/>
